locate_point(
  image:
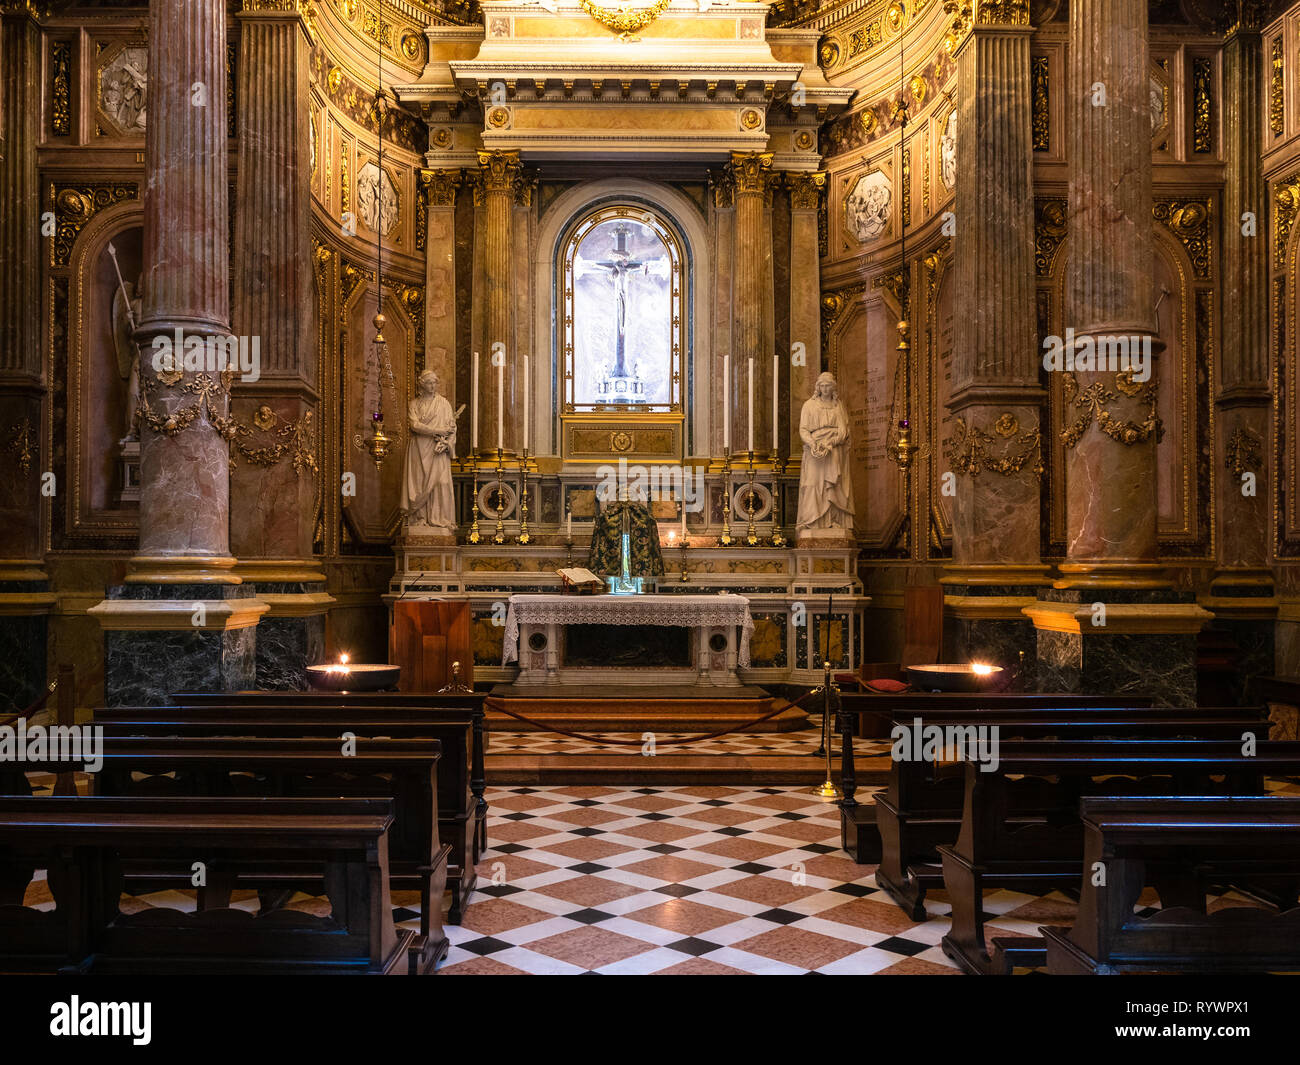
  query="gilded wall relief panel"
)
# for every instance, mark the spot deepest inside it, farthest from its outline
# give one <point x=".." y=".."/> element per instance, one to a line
<point x="122" y="89"/>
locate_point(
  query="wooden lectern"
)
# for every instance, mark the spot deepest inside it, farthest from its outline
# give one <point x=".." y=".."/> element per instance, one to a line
<point x="426" y="637"/>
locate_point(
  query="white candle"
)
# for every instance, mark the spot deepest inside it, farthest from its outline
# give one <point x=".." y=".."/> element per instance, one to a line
<point x="501" y="401"/>
<point x="726" y="403"/>
<point x="683" y="517"/>
<point x="751" y="403"/>
<point x="525" y="403"/>
<point x="776" y="417"/>
<point x="568" y="524"/>
<point x="473" y="406"/>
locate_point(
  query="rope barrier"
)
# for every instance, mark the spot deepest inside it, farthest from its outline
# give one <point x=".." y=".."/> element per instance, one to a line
<point x="667" y="743"/>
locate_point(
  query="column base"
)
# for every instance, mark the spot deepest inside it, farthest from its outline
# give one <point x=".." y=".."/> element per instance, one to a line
<point x="1134" y="642"/>
<point x="984" y="618"/>
<point x="25" y="605"/>
<point x="165" y="638"/>
<point x="291" y="635"/>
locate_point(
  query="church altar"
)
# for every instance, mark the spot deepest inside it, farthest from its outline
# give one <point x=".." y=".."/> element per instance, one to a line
<point x="538" y="629"/>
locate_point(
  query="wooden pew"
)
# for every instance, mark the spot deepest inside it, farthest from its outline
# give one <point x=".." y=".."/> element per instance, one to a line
<point x="873" y="714"/>
<point x="1176" y="844"/>
<point x="457" y="810"/>
<point x="402" y="770"/>
<point x="922" y="807"/>
<point x="83" y="844"/>
<point x="1026" y="834"/>
<point x="426" y="701"/>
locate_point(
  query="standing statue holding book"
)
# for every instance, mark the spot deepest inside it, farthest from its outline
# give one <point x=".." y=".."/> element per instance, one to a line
<point x="825" y="480"/>
<point x="427" y="499"/>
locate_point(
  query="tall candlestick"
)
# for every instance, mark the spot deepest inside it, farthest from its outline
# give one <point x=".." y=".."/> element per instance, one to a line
<point x="525" y="404"/>
<point x="751" y="403"/>
<point x="726" y="403"/>
<point x="501" y="408"/>
<point x="776" y="378"/>
<point x="473" y="406"/>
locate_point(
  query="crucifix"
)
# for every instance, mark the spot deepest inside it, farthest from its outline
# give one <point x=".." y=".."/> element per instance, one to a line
<point x="619" y="266"/>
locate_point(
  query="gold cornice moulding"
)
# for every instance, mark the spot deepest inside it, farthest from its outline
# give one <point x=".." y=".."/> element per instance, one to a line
<point x="22" y="569"/>
<point x="280" y="570"/>
<point x="171" y="615"/>
<point x="1127" y="619"/>
<point x="27" y="604"/>
<point x="182" y="569"/>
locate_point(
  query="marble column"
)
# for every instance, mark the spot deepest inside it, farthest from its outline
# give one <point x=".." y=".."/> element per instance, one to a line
<point x="996" y="400"/>
<point x="499" y="173"/>
<point x="1242" y="593"/>
<point x="25" y="599"/>
<point x="723" y="232"/>
<point x="183" y="619"/>
<point x="1112" y="623"/>
<point x="805" y="300"/>
<point x="273" y="484"/>
<point x="752" y="177"/>
<point x="439" y="189"/>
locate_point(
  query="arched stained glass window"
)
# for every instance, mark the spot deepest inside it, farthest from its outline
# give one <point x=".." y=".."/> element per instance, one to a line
<point x="621" y="312"/>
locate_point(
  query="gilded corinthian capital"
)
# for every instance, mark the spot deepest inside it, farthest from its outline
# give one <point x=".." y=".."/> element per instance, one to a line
<point x="805" y="189"/>
<point x="440" y="186"/>
<point x="751" y="171"/>
<point x="500" y="170"/>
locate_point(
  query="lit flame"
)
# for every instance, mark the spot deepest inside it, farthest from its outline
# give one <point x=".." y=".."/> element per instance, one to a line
<point x="981" y="669"/>
<point x="340" y="667"/>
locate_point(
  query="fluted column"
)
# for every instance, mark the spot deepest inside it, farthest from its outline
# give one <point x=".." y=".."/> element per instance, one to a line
<point x="1110" y="505"/>
<point x="994" y="450"/>
<point x="996" y="400"/>
<point x="184" y="491"/>
<point x="752" y="177"/>
<point x="1242" y="593"/>
<point x="273" y="484"/>
<point x="439" y="189"/>
<point x="805" y="300"/>
<point x="23" y="625"/>
<point x="499" y="173"/>
<point x="1244" y="393"/>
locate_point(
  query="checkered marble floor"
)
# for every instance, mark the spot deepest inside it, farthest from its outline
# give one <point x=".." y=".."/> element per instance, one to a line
<point x="683" y="881"/>
<point x="804" y="741"/>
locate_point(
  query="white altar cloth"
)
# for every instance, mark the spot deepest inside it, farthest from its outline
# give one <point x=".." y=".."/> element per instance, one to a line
<point x="682" y="611"/>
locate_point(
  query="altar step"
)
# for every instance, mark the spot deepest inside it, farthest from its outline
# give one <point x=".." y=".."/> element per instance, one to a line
<point x="592" y="709"/>
<point x="665" y="770"/>
<point x="748" y="758"/>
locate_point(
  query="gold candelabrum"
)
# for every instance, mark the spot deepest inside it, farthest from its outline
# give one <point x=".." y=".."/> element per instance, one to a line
<point x="523" y="537"/>
<point x="568" y="547"/>
<point x="474" y="536"/>
<point x="685" y="576"/>
<point x="827" y="791"/>
<point x="751" y="534"/>
<point x="779" y="466"/>
<point x="499" y="536"/>
<point x="726" y="539"/>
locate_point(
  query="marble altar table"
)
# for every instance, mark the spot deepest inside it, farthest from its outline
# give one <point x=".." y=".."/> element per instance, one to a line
<point x="538" y="631"/>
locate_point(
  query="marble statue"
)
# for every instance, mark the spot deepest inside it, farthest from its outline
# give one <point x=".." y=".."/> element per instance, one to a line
<point x="126" y="312"/>
<point x="825" y="483"/>
<point x="427" y="499"/>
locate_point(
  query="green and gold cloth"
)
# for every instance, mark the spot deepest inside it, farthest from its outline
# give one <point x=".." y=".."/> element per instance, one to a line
<point x="606" y="556"/>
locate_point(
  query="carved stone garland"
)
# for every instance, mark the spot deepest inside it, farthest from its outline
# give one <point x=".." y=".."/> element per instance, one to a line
<point x="1091" y="401"/>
